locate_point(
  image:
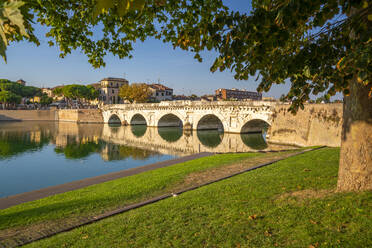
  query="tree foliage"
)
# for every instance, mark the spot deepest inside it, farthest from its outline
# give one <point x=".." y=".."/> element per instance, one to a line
<point x="45" y="100"/>
<point x="12" y="24"/>
<point x="19" y="89"/>
<point x="9" y="97"/>
<point x="139" y="93"/>
<point x="76" y="91"/>
<point x="317" y="44"/>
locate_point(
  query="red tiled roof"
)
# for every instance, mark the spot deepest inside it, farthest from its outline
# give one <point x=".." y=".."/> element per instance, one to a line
<point x="114" y="79"/>
<point x="159" y="87"/>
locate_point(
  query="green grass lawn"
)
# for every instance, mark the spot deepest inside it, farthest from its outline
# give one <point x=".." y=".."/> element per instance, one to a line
<point x="287" y="204"/>
<point x="98" y="198"/>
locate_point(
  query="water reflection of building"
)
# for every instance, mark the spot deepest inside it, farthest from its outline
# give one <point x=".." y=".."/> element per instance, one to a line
<point x="110" y="152"/>
<point x="35" y="136"/>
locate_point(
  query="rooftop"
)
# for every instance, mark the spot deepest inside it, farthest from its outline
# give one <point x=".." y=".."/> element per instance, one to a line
<point x="115" y="79"/>
<point x="159" y="87"/>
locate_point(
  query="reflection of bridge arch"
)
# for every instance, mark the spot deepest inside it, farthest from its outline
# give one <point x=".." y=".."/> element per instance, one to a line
<point x="210" y="122"/>
<point x="255" y="126"/>
<point x="138" y="130"/>
<point x="210" y="138"/>
<point x="114" y="119"/>
<point x="170" y="134"/>
<point x="170" y="120"/>
<point x="138" y="119"/>
<point x="256" y="141"/>
<point x="151" y="140"/>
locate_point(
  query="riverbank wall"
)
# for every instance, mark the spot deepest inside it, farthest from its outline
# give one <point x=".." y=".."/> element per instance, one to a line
<point x="68" y="115"/>
<point x="315" y="125"/>
<point x="80" y="115"/>
<point x="28" y="115"/>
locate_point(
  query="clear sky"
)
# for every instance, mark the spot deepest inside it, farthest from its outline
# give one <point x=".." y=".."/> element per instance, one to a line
<point x="153" y="61"/>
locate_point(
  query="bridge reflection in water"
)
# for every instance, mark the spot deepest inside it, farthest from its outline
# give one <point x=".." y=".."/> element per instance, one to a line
<point x="176" y="141"/>
<point x="117" y="142"/>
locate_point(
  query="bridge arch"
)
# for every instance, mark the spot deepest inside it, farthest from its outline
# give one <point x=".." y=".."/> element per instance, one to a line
<point x="253" y="134"/>
<point x="255" y="126"/>
<point x="114" y="119"/>
<point x="138" y="119"/>
<point x="210" y="122"/>
<point x="170" y="120"/>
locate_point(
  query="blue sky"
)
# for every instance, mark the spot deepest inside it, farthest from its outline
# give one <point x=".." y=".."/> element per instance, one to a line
<point x="153" y="61"/>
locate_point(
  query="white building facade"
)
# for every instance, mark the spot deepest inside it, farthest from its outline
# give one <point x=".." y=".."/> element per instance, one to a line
<point x="109" y="90"/>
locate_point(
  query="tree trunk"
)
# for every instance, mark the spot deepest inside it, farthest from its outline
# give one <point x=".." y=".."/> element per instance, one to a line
<point x="355" y="170"/>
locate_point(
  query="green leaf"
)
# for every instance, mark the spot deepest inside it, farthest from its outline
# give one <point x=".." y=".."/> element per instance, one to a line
<point x="3" y="49"/>
<point x="102" y="6"/>
<point x="123" y="7"/>
<point x="138" y="4"/>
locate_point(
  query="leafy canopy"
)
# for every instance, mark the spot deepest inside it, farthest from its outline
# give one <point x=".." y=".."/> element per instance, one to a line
<point x="319" y="45"/>
<point x="138" y="93"/>
<point x="9" y="97"/>
<point x="19" y="89"/>
<point x="76" y="91"/>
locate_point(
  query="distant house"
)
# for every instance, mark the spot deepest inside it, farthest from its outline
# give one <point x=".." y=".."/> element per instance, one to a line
<point x="109" y="89"/>
<point x="21" y="82"/>
<point x="47" y="91"/>
<point x="235" y="94"/>
<point x="161" y="92"/>
<point x="208" y="98"/>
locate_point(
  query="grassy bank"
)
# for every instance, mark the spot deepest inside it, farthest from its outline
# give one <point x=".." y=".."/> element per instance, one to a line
<point x="291" y="203"/>
<point x="71" y="206"/>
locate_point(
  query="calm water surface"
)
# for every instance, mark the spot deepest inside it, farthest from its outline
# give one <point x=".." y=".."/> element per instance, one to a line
<point x="35" y="155"/>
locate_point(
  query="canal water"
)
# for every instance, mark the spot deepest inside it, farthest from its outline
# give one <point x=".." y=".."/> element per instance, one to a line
<point x="34" y="155"/>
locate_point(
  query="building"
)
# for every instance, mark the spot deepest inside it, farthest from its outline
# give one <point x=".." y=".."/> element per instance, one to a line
<point x="47" y="91"/>
<point x="21" y="82"/>
<point x="208" y="98"/>
<point x="235" y="94"/>
<point x="161" y="92"/>
<point x="109" y="89"/>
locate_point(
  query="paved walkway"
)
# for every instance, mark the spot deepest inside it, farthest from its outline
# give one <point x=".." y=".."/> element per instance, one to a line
<point x="41" y="193"/>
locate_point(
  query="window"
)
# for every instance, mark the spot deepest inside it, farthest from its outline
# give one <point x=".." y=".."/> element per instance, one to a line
<point x="162" y="94"/>
<point x="157" y="93"/>
<point x="113" y="91"/>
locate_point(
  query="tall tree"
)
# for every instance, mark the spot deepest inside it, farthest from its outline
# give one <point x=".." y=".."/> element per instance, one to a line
<point x="8" y="97"/>
<point x="319" y="45"/>
<point x="138" y="93"/>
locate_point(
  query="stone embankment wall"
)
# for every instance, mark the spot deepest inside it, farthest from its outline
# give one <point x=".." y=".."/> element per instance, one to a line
<point x="317" y="124"/>
<point x="28" y="115"/>
<point x="70" y="115"/>
<point x="80" y="115"/>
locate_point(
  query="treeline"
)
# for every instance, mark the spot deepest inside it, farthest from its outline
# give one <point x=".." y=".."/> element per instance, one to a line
<point x="77" y="92"/>
<point x="13" y="92"/>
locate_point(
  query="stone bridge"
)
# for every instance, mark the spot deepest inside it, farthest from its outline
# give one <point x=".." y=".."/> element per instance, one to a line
<point x="231" y="117"/>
